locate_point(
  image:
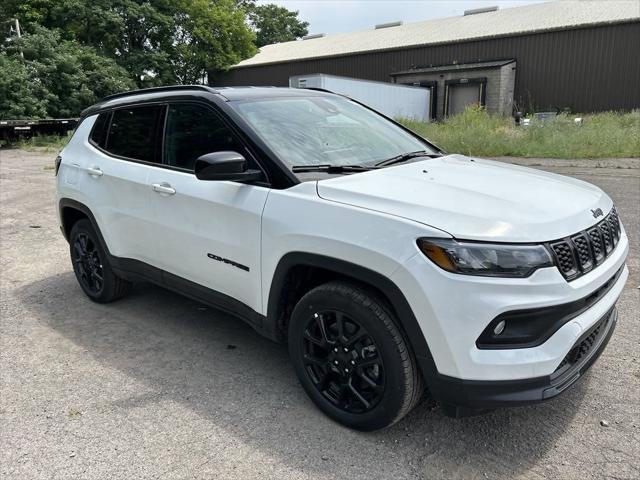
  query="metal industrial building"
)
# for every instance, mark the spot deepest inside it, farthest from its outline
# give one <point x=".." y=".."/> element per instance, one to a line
<point x="576" y="55"/>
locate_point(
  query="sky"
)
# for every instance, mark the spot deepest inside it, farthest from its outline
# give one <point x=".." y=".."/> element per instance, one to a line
<point x="335" y="16"/>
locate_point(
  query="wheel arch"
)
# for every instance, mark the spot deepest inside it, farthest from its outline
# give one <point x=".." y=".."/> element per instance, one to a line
<point x="71" y="211"/>
<point x="292" y="263"/>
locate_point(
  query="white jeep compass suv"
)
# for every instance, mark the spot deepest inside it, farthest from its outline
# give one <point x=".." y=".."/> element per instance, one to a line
<point x="387" y="265"/>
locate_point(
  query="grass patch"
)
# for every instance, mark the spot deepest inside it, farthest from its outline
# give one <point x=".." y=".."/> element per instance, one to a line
<point x="474" y="132"/>
<point x="46" y="143"/>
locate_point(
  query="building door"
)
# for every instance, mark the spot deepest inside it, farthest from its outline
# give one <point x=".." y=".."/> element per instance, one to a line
<point x="461" y="93"/>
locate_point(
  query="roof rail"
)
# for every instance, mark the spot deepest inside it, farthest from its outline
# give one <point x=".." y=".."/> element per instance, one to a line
<point x="169" y="88"/>
<point x="319" y="89"/>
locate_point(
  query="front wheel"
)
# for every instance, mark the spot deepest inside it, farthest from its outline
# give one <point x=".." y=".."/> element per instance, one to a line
<point x="91" y="265"/>
<point x="351" y="358"/>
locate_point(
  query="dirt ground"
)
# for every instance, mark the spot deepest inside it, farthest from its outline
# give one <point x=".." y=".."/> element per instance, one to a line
<point x="158" y="386"/>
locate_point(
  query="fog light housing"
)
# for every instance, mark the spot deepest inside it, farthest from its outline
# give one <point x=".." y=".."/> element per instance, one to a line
<point x="499" y="328"/>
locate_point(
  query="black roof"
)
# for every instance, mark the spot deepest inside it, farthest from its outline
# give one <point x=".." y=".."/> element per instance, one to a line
<point x="190" y="91"/>
<point x="243" y="93"/>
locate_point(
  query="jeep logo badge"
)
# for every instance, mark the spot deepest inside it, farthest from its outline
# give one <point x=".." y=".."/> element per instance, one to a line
<point x="597" y="212"/>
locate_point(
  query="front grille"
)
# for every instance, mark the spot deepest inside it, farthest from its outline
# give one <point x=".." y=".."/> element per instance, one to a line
<point x="596" y="244"/>
<point x="580" y="253"/>
<point x="584" y="346"/>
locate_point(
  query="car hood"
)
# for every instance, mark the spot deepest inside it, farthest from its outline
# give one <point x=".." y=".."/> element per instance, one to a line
<point x="474" y="199"/>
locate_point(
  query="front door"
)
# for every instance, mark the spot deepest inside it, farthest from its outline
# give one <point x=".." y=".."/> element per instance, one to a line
<point x="207" y="232"/>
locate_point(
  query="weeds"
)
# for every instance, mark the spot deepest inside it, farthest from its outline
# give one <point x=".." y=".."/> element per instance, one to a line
<point x="48" y="143"/>
<point x="474" y="132"/>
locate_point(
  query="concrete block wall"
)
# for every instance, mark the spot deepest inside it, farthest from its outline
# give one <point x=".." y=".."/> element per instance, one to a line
<point x="499" y="93"/>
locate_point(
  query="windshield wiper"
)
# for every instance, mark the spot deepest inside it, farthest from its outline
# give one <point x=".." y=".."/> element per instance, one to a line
<point x="403" y="157"/>
<point x="329" y="168"/>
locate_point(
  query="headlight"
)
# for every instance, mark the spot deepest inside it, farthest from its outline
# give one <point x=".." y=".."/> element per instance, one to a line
<point x="485" y="259"/>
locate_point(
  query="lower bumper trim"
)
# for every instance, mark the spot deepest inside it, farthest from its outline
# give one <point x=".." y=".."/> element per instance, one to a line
<point x="466" y="397"/>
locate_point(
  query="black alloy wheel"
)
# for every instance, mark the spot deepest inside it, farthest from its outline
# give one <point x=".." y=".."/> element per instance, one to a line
<point x="88" y="262"/>
<point x="350" y="356"/>
<point x="91" y="265"/>
<point x="343" y="361"/>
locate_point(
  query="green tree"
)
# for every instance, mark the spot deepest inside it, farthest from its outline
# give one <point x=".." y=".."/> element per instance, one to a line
<point x="137" y="34"/>
<point x="209" y="35"/>
<point x="158" y="42"/>
<point x="66" y="76"/>
<point x="275" y="24"/>
<point x="21" y="96"/>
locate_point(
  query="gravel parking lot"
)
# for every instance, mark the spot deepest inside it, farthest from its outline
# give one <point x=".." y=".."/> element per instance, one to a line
<point x="158" y="386"/>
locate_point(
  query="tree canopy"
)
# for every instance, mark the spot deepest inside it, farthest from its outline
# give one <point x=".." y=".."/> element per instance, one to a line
<point x="275" y="24"/>
<point x="56" y="77"/>
<point x="73" y="52"/>
<point x="20" y="95"/>
<point x="156" y="41"/>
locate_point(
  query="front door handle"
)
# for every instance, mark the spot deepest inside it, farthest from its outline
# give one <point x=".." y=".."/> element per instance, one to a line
<point x="164" y="188"/>
<point x="94" y="171"/>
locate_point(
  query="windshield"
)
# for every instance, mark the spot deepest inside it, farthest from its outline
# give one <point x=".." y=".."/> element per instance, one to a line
<point x="326" y="130"/>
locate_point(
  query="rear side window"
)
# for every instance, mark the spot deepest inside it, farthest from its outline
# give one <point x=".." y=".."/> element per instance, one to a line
<point x="192" y="131"/>
<point x="99" y="132"/>
<point x="133" y="132"/>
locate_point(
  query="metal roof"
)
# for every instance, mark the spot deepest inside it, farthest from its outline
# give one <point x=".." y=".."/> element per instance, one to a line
<point x="555" y="15"/>
<point x="456" y="66"/>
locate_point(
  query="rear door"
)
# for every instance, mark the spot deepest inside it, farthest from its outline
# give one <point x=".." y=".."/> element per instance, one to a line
<point x="126" y="142"/>
<point x="208" y="232"/>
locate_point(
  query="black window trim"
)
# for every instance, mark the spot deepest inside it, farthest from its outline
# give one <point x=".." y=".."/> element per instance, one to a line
<point x="109" y="114"/>
<point x="160" y="129"/>
<point x="232" y="128"/>
<point x="157" y="140"/>
<point x="123" y="107"/>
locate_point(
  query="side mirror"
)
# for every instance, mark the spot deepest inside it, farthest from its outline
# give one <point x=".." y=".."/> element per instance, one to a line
<point x="225" y="166"/>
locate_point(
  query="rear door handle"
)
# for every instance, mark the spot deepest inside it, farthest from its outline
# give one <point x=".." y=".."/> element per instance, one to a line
<point x="94" y="171"/>
<point x="164" y="188"/>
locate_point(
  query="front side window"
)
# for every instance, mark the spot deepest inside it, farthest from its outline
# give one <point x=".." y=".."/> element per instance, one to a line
<point x="133" y="132"/>
<point x="326" y="130"/>
<point x="192" y="131"/>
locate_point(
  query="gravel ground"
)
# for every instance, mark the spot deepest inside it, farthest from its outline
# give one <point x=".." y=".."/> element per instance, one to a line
<point x="158" y="386"/>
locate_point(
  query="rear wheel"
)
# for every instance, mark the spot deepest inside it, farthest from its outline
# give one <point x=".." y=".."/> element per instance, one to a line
<point x="351" y="358"/>
<point x="91" y="265"/>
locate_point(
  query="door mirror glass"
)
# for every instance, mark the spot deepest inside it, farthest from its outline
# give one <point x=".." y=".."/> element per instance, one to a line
<point x="225" y="166"/>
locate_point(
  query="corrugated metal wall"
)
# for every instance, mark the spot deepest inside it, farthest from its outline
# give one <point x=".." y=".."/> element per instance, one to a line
<point x="587" y="69"/>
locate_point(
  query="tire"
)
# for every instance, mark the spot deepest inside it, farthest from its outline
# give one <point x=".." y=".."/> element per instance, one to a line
<point x="332" y="366"/>
<point x="91" y="265"/>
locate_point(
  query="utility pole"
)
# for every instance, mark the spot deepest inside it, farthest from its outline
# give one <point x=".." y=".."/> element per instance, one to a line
<point x="19" y="35"/>
<point x="14" y="29"/>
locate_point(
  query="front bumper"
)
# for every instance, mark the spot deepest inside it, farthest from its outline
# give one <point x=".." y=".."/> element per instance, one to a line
<point x="453" y="310"/>
<point x="467" y="397"/>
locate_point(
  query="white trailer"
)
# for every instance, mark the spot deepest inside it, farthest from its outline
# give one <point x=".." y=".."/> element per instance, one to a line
<point x="395" y="101"/>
